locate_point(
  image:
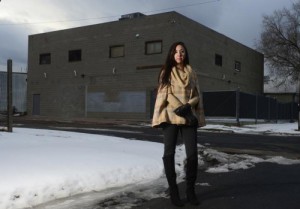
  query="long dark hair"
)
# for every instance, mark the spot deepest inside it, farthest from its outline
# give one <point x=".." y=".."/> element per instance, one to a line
<point x="165" y="72"/>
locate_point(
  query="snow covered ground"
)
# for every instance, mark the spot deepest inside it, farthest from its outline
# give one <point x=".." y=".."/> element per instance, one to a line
<point x="280" y="128"/>
<point x="42" y="165"/>
<point x="38" y="166"/>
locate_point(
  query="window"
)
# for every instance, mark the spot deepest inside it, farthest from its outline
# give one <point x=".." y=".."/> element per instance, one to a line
<point x="218" y="59"/>
<point x="45" y="59"/>
<point x="153" y="47"/>
<point x="75" y="55"/>
<point x="116" y="51"/>
<point x="237" y="66"/>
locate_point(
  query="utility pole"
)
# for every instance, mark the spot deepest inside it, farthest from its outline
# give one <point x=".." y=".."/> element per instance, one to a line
<point x="9" y="96"/>
<point x="298" y="102"/>
<point x="237" y="106"/>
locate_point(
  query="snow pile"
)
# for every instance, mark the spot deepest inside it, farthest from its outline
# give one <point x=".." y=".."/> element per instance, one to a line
<point x="213" y="161"/>
<point x="267" y="128"/>
<point x="278" y="128"/>
<point x="41" y="165"/>
<point x="222" y="162"/>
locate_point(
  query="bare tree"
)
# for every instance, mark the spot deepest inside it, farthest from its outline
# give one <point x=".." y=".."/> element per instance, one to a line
<point x="280" y="44"/>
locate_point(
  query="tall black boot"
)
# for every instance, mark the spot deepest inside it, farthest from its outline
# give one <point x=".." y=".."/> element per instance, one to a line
<point x="169" y="164"/>
<point x="191" y="176"/>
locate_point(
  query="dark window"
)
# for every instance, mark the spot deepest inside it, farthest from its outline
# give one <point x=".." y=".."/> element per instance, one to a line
<point x="153" y="47"/>
<point x="75" y="55"/>
<point x="45" y="59"/>
<point x="218" y="60"/>
<point x="237" y="66"/>
<point x="116" y="51"/>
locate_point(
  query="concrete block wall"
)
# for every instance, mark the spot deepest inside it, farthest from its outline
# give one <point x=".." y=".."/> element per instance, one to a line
<point x="73" y="89"/>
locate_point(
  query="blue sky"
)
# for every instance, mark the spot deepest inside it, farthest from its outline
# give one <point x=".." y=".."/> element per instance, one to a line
<point x="240" y="20"/>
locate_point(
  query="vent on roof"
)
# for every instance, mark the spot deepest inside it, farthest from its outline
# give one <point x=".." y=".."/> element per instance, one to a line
<point x="131" y="16"/>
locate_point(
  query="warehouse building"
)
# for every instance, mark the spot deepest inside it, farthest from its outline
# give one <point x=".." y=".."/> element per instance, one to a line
<point x="19" y="91"/>
<point x="110" y="70"/>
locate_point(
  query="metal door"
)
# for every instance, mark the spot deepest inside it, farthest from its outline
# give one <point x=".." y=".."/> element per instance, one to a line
<point x="36" y="104"/>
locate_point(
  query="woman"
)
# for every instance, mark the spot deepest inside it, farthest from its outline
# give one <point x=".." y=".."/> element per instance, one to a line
<point x="179" y="109"/>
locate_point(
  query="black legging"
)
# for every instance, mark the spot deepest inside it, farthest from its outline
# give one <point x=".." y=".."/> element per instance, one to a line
<point x="188" y="134"/>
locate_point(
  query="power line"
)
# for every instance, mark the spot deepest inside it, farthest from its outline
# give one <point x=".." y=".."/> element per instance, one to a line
<point x="57" y="21"/>
<point x="107" y="17"/>
<point x="183" y="6"/>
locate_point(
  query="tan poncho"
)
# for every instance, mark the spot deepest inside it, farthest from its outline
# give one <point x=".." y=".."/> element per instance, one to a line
<point x="184" y="88"/>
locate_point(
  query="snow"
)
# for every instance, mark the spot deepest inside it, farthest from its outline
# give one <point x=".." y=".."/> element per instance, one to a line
<point x="279" y="128"/>
<point x="227" y="162"/>
<point x="41" y="165"/>
<point x="38" y="166"/>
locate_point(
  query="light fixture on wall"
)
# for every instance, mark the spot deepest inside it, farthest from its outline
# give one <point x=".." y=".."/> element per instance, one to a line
<point x="75" y="73"/>
<point x="137" y="35"/>
<point x="114" y="70"/>
<point x="45" y="75"/>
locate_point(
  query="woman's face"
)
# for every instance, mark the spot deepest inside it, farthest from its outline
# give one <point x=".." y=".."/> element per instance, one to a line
<point x="179" y="55"/>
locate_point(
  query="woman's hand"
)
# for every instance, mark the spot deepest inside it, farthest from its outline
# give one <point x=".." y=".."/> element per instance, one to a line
<point x="185" y="111"/>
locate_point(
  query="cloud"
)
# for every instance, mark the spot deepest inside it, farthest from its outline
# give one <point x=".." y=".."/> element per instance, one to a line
<point x="13" y="46"/>
<point x="237" y="19"/>
<point x="208" y="14"/>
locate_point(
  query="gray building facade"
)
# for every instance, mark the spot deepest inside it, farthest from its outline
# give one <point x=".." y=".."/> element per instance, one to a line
<point x="110" y="70"/>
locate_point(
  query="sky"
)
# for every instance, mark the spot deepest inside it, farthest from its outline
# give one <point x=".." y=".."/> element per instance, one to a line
<point x="39" y="165"/>
<point x="240" y="20"/>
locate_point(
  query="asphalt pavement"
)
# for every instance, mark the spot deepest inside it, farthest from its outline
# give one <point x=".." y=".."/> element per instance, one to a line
<point x="266" y="186"/>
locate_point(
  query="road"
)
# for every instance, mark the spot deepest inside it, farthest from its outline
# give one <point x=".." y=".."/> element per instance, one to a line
<point x="266" y="186"/>
<point x="287" y="146"/>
